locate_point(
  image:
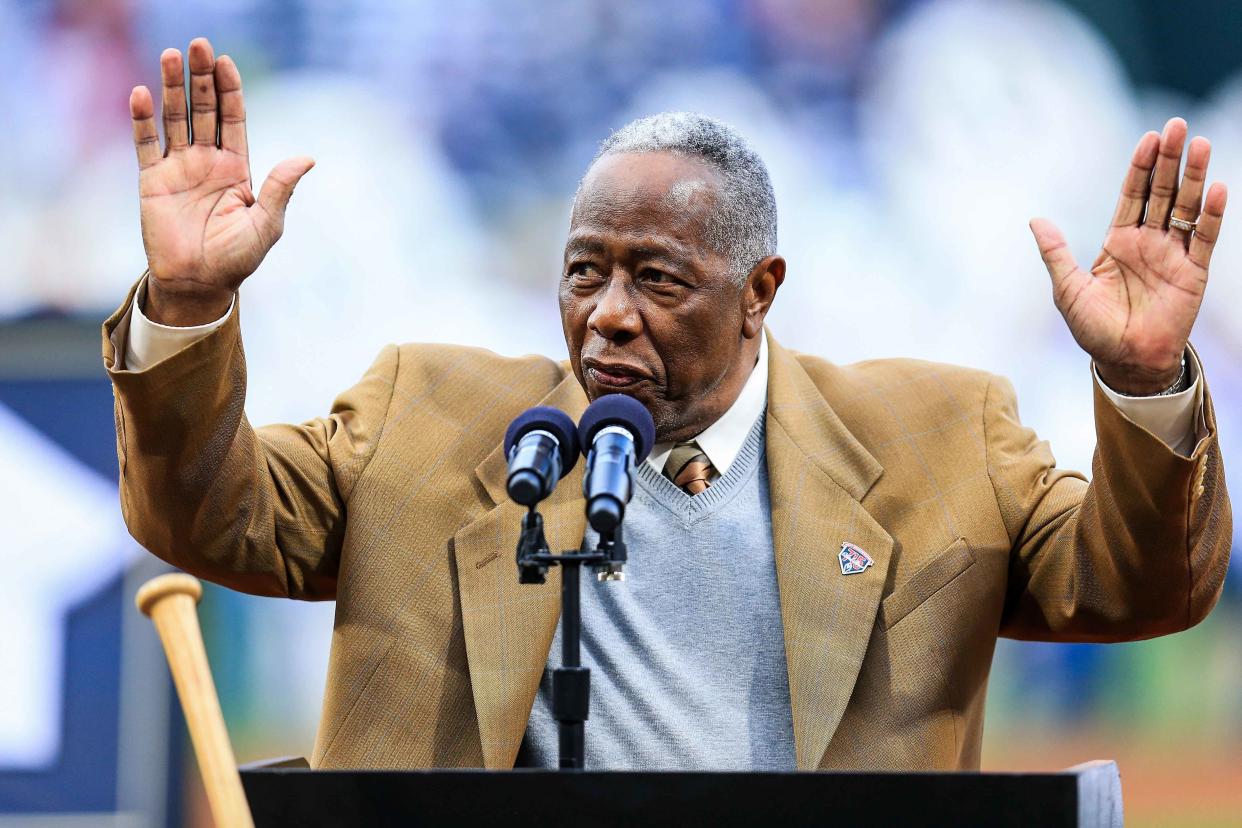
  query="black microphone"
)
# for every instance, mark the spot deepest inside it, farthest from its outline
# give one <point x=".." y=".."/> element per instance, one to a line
<point x="542" y="447"/>
<point x="617" y="432"/>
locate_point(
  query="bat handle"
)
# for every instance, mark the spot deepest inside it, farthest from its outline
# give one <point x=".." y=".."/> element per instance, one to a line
<point x="171" y="602"/>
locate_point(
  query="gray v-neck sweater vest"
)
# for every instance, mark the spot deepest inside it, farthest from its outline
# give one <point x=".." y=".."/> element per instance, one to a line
<point x="687" y="654"/>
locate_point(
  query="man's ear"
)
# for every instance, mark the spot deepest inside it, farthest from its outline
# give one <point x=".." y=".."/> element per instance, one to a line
<point x="760" y="289"/>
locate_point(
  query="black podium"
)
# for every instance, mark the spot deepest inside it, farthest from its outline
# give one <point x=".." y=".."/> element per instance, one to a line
<point x="1084" y="795"/>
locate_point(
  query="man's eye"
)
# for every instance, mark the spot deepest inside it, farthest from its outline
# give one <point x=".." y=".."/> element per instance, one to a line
<point x="583" y="270"/>
<point x="658" y="277"/>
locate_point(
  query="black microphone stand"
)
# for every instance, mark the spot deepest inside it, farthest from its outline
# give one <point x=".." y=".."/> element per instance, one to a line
<point x="571" y="682"/>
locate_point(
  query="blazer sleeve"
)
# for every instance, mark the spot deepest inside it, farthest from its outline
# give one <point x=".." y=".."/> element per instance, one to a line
<point x="257" y="510"/>
<point x="1139" y="551"/>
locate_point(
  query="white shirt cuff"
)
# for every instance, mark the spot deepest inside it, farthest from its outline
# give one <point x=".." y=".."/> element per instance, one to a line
<point x="150" y="342"/>
<point x="1172" y="418"/>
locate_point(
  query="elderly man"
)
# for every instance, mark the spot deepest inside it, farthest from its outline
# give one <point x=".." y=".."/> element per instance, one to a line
<point x="822" y="556"/>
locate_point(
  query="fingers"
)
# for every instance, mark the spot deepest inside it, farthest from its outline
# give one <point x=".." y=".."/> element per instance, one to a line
<point x="202" y="62"/>
<point x="232" y="106"/>
<point x="1208" y="229"/>
<point x="1133" y="197"/>
<point x="1190" y="194"/>
<point x="278" y="188"/>
<point x="1067" y="277"/>
<point x="176" y="127"/>
<point x="146" y="134"/>
<point x="1164" y="179"/>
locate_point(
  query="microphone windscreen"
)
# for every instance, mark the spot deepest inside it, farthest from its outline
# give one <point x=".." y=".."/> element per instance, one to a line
<point x="619" y="410"/>
<point x="555" y="422"/>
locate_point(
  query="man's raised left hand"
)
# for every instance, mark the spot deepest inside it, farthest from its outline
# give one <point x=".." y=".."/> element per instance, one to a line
<point x="1133" y="310"/>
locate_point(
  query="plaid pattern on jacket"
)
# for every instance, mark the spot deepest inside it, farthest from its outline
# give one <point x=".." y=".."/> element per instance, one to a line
<point x="394" y="505"/>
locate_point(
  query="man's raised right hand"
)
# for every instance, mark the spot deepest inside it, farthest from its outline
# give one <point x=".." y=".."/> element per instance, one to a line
<point x="203" y="229"/>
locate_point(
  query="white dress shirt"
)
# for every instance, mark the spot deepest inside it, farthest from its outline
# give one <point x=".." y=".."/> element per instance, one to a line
<point x="1171" y="418"/>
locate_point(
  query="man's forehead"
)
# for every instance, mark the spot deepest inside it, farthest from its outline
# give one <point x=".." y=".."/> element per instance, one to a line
<point x="594" y="239"/>
<point x="648" y="174"/>
<point x="658" y="196"/>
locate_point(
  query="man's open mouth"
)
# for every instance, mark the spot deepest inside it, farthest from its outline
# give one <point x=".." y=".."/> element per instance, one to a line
<point x="614" y="374"/>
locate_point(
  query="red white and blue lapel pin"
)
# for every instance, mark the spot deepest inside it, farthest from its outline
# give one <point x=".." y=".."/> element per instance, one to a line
<point x="853" y="559"/>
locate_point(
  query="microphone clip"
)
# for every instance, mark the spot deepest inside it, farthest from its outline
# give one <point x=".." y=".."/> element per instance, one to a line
<point x="611" y="548"/>
<point x="534" y="557"/>
<point x="532" y="550"/>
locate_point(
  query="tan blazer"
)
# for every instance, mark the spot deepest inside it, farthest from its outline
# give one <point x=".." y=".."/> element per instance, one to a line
<point x="395" y="506"/>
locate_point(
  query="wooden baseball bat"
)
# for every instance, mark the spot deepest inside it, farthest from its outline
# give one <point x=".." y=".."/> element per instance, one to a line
<point x="171" y="602"/>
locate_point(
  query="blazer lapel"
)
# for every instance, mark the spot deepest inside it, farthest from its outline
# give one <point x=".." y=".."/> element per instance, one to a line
<point x="818" y="472"/>
<point x="509" y="626"/>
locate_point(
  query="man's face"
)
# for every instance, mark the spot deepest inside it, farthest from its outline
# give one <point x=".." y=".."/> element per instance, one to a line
<point x="648" y="307"/>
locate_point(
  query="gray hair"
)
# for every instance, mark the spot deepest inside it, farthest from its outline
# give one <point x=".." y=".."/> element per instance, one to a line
<point x="742" y="225"/>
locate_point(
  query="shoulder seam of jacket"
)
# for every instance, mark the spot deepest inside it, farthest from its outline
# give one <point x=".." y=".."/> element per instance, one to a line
<point x="379" y="436"/>
<point x="987" y="456"/>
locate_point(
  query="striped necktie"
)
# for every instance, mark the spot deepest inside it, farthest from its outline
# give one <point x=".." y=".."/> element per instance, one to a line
<point x="688" y="467"/>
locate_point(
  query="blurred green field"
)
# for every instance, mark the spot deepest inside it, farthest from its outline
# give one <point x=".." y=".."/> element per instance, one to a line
<point x="1169" y="711"/>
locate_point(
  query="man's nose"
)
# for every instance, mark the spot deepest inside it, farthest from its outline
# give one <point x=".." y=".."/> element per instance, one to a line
<point x="615" y="316"/>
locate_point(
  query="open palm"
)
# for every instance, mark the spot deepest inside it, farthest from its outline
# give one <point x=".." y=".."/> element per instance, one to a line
<point x="203" y="229"/>
<point x="1134" y="309"/>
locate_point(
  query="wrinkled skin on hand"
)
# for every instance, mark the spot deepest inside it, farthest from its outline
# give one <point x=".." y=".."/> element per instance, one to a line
<point x="1134" y="309"/>
<point x="202" y="226"/>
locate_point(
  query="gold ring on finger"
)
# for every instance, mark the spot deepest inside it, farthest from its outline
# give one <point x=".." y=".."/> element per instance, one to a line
<point x="1182" y="224"/>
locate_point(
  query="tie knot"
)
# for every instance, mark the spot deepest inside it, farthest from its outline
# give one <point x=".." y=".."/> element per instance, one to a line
<point x="688" y="467"/>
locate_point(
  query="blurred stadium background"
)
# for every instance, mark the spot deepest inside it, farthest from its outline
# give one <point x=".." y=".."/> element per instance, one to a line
<point x="909" y="143"/>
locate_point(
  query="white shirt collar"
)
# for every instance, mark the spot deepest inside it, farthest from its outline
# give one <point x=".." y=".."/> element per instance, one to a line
<point x="723" y="439"/>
